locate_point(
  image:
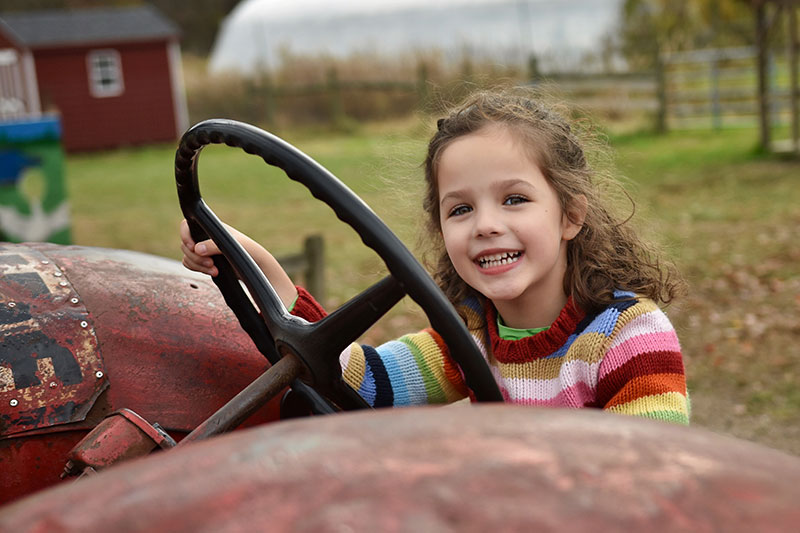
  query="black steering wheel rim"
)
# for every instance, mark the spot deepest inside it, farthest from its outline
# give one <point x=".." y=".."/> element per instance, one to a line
<point x="279" y="329"/>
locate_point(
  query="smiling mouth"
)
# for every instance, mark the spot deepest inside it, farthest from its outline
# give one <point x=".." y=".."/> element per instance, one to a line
<point x="495" y="260"/>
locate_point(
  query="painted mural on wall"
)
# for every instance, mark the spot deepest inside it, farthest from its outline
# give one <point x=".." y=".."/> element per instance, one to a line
<point x="33" y="199"/>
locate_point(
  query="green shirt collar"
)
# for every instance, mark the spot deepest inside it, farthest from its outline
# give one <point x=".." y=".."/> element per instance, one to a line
<point x="514" y="334"/>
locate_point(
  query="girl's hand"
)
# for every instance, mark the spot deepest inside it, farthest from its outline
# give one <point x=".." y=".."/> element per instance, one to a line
<point x="198" y="257"/>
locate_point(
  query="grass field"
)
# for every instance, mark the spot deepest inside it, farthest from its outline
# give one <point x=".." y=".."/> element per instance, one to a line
<point x="729" y="217"/>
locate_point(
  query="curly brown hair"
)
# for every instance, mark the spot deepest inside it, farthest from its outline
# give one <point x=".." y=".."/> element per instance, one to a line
<point x="605" y="256"/>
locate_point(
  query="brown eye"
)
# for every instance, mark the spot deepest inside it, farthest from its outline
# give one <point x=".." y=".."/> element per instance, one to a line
<point x="514" y="199"/>
<point x="459" y="210"/>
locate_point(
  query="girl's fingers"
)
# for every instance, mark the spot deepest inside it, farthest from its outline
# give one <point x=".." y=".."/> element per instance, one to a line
<point x="197" y="257"/>
<point x="206" y="248"/>
<point x="191" y="258"/>
<point x="198" y="263"/>
<point x="204" y="269"/>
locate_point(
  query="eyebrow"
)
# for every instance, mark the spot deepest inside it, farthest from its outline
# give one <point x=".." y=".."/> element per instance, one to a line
<point x="505" y="184"/>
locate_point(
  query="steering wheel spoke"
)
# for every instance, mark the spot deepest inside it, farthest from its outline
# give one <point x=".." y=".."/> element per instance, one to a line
<point x="351" y="320"/>
<point x="318" y="345"/>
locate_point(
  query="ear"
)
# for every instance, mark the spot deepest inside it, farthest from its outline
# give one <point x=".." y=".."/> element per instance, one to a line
<point x="573" y="218"/>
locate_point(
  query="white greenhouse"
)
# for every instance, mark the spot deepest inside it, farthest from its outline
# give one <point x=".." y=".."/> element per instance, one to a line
<point x="256" y="32"/>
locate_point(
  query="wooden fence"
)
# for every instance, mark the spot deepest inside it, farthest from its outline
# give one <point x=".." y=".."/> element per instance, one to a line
<point x="719" y="87"/>
<point x="712" y="88"/>
<point x="612" y="95"/>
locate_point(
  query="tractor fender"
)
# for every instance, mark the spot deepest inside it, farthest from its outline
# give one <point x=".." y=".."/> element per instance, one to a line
<point x="460" y="468"/>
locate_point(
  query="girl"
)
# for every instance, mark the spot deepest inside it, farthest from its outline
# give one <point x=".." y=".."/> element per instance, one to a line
<point x="559" y="295"/>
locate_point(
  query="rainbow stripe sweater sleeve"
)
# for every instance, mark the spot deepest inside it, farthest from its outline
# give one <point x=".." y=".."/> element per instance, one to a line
<point x="412" y="370"/>
<point x="642" y="370"/>
<point x="625" y="359"/>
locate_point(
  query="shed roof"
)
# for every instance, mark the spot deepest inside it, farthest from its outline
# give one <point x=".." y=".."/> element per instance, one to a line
<point x="59" y="27"/>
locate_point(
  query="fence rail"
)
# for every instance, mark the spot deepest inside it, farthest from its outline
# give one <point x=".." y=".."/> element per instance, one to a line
<point x="607" y="94"/>
<point x="719" y="87"/>
<point x="701" y="88"/>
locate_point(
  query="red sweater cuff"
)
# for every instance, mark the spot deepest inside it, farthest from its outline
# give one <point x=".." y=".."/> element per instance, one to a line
<point x="307" y="307"/>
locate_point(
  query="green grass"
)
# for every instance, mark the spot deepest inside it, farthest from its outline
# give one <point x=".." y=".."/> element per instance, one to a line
<point x="127" y="198"/>
<point x="727" y="215"/>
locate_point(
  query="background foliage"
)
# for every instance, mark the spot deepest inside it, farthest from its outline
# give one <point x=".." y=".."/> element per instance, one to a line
<point x="652" y="27"/>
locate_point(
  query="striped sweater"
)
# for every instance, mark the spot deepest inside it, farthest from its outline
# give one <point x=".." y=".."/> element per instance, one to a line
<point x="625" y="359"/>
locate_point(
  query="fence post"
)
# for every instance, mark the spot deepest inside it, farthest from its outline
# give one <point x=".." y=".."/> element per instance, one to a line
<point x="336" y="109"/>
<point x="793" y="77"/>
<point x="761" y="63"/>
<point x="314" y="251"/>
<point x="661" y="93"/>
<point x="533" y="69"/>
<point x="268" y="92"/>
<point x="716" y="107"/>
<point x="423" y="97"/>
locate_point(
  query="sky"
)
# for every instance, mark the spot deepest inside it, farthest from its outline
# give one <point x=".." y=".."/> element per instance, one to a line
<point x="256" y="30"/>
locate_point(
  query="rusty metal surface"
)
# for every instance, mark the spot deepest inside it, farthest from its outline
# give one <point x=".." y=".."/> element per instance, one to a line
<point x="174" y="353"/>
<point x="51" y="370"/>
<point x="170" y="349"/>
<point x="487" y="468"/>
<point x="155" y="433"/>
<point x="120" y="437"/>
<point x="264" y="388"/>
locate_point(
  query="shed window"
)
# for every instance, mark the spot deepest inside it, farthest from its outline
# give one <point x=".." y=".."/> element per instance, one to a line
<point x="105" y="73"/>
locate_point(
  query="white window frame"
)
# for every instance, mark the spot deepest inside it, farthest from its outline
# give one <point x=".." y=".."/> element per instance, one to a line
<point x="105" y="73"/>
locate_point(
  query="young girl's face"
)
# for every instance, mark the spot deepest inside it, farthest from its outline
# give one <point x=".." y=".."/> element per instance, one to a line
<point x="502" y="222"/>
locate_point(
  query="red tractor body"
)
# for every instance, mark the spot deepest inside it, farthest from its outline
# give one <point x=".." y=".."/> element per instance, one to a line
<point x="89" y="331"/>
<point x="108" y="355"/>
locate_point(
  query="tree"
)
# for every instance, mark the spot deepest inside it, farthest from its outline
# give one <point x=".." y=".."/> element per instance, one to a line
<point x="650" y="28"/>
<point x="199" y="20"/>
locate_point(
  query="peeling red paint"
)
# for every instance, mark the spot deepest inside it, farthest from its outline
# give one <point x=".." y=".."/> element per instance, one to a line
<point x="178" y="360"/>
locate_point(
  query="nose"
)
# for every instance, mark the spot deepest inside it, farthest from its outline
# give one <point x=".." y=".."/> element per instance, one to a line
<point x="487" y="223"/>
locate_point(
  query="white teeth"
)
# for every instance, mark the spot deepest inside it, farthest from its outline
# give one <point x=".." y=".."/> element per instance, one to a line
<point x="489" y="261"/>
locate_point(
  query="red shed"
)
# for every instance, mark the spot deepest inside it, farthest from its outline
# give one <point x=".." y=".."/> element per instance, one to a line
<point x="113" y="74"/>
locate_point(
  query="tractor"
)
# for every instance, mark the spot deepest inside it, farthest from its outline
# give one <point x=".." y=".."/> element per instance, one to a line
<point x="124" y="375"/>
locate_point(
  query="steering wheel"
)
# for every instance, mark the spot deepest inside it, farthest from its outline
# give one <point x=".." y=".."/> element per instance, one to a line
<point x="300" y="348"/>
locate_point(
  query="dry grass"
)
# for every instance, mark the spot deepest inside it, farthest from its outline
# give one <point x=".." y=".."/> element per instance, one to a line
<point x="319" y="90"/>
